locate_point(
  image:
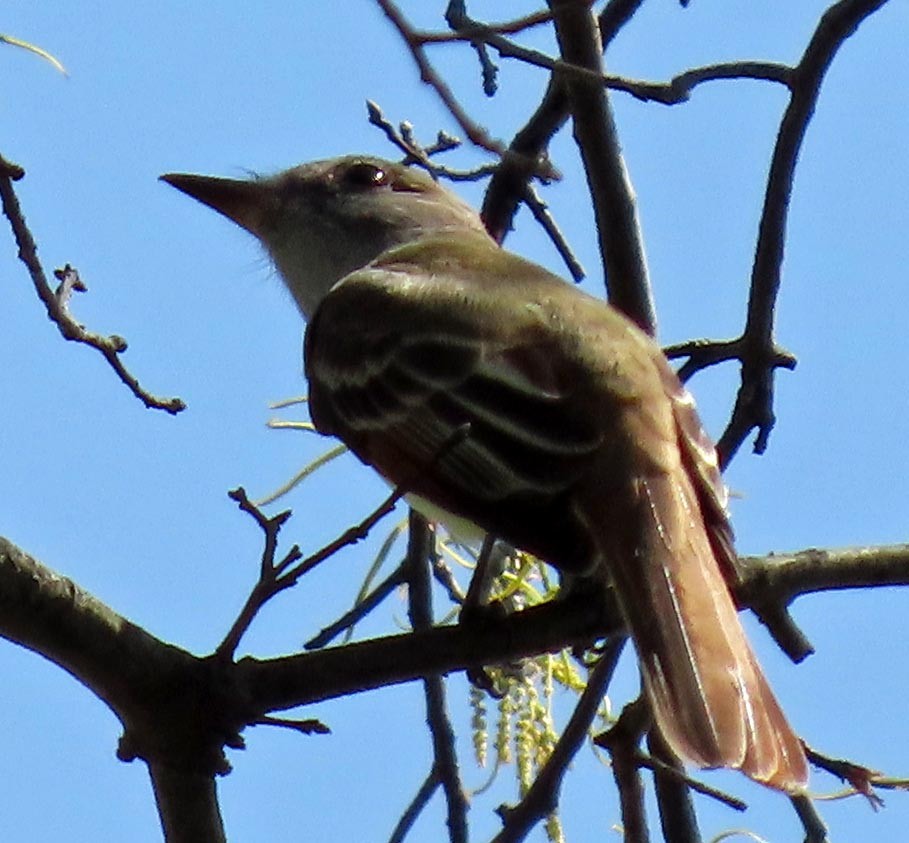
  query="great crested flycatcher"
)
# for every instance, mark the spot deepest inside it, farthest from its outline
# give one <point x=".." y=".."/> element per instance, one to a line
<point x="581" y="445"/>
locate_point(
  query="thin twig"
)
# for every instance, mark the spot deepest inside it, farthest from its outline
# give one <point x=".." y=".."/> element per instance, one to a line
<point x="547" y="222"/>
<point x="476" y="133"/>
<point x="268" y="583"/>
<point x="415" y="153"/>
<point x="703" y="353"/>
<point x="309" y="726"/>
<point x="444" y="576"/>
<point x="56" y="302"/>
<point x="415" y="808"/>
<point x="505" y="28"/>
<point x="677" y="90"/>
<point x="457" y="18"/>
<point x="276" y="577"/>
<point x="861" y="779"/>
<point x="360" y="610"/>
<point x="655" y="764"/>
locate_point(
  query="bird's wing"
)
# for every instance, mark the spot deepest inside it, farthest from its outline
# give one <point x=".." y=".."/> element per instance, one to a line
<point x="464" y="396"/>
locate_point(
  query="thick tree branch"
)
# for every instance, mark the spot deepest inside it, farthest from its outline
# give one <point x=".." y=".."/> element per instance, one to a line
<point x="781" y="577"/>
<point x="180" y="711"/>
<point x="124" y="665"/>
<point x="175" y="715"/>
<point x="187" y="804"/>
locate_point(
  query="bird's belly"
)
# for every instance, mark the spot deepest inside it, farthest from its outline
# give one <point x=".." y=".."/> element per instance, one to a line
<point x="462" y="530"/>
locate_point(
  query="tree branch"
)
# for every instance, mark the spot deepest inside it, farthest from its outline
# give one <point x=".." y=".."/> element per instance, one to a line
<point x="128" y="668"/>
<point x="760" y="356"/>
<point x="187" y="804"/>
<point x="56" y="303"/>
<point x="676" y="808"/>
<point x="477" y="134"/>
<point x="511" y="180"/>
<point x="445" y="764"/>
<point x="180" y="711"/>
<point x="176" y="714"/>
<point x="618" y="229"/>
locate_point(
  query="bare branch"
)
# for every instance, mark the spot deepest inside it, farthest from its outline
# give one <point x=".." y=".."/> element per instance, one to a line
<point x="754" y="401"/>
<point x="360" y="610"/>
<point x="678" y="819"/>
<point x="613" y="199"/>
<point x="477" y="134"/>
<point x="415" y="808"/>
<point x="136" y="674"/>
<point x="420" y="548"/>
<point x="275" y="577"/>
<point x="781" y="577"/>
<point x="51" y="615"/>
<point x="509" y="184"/>
<point x="703" y="353"/>
<point x="677" y="90"/>
<point x="670" y="771"/>
<point x="56" y="303"/>
<point x="312" y="677"/>
<point x="547" y="222"/>
<point x="457" y="18"/>
<point x="414" y="153"/>
<point x="309" y="726"/>
<point x="464" y="26"/>
<point x="815" y="828"/>
<point x="176" y="715"/>
<point x="622" y="743"/>
<point x="187" y="803"/>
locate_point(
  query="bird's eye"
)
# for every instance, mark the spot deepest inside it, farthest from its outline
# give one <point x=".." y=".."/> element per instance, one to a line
<point x="364" y="175"/>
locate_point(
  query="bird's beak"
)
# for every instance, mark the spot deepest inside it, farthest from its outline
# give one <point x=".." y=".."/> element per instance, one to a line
<point x="244" y="202"/>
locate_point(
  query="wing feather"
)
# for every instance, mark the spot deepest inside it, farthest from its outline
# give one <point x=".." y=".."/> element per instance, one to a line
<point x="398" y="383"/>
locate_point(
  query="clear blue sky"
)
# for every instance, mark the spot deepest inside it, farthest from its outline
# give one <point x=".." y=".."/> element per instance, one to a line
<point x="131" y="503"/>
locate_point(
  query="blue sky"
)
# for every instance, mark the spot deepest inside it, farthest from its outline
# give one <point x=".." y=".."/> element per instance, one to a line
<point x="132" y="503"/>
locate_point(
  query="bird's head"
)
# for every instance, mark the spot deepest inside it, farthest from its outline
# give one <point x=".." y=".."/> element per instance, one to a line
<point x="322" y="220"/>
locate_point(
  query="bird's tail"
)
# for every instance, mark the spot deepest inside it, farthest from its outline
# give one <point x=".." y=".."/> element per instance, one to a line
<point x="707" y="691"/>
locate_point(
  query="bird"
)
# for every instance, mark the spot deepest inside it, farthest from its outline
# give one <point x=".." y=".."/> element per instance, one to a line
<point x="514" y="404"/>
